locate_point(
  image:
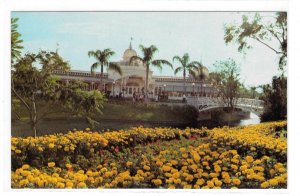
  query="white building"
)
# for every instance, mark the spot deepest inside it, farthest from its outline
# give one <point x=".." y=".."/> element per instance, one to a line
<point x="133" y="80"/>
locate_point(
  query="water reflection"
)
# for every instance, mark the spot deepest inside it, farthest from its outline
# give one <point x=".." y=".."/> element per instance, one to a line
<point x="254" y="119"/>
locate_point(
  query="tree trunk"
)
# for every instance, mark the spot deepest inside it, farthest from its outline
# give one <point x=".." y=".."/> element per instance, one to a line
<point x="34" y="129"/>
<point x="184" y="82"/>
<point x="101" y="76"/>
<point x="34" y="116"/>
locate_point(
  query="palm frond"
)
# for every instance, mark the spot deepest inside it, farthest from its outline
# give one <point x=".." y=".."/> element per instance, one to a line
<point x="178" y="59"/>
<point x="134" y="58"/>
<point x="178" y="69"/>
<point x="94" y="67"/>
<point x="92" y="53"/>
<point x="153" y="49"/>
<point x="115" y="67"/>
<point x="108" y="52"/>
<point x="185" y="59"/>
<point x="160" y="62"/>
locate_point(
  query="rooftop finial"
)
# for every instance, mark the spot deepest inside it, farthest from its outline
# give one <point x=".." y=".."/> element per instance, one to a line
<point x="57" y="47"/>
<point x="130" y="47"/>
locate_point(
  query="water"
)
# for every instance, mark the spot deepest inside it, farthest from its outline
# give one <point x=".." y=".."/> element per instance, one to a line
<point x="62" y="126"/>
<point x="254" y="119"/>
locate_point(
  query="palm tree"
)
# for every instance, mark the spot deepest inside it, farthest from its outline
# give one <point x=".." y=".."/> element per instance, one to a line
<point x="200" y="72"/>
<point x="15" y="40"/>
<point x="186" y="66"/>
<point x="147" y="60"/>
<point x="102" y="59"/>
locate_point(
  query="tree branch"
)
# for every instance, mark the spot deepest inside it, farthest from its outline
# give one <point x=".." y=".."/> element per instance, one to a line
<point x="21" y="99"/>
<point x="277" y="52"/>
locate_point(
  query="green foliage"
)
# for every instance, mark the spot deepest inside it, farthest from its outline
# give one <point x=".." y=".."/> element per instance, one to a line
<point x="258" y="29"/>
<point x="32" y="85"/>
<point x="226" y="80"/>
<point x="185" y="66"/>
<point x="249" y="92"/>
<point x="15" y="41"/>
<point x="147" y="60"/>
<point x="275" y="99"/>
<point x="102" y="59"/>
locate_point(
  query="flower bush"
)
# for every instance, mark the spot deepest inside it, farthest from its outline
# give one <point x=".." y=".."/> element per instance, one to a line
<point x="240" y="157"/>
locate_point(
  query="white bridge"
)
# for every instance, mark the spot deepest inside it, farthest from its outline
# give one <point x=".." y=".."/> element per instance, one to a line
<point x="208" y="103"/>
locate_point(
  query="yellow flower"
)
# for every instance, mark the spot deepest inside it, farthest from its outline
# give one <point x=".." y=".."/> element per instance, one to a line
<point x="60" y="185"/>
<point x="249" y="159"/>
<point x="273" y="182"/>
<point x="129" y="163"/>
<point x="218" y="183"/>
<point x="81" y="185"/>
<point x="236" y="181"/>
<point x="146" y="167"/>
<point x="281" y="170"/>
<point x="51" y="164"/>
<point x="157" y="182"/>
<point x="200" y="181"/>
<point x="174" y="162"/>
<point x="23" y="182"/>
<point x="51" y="145"/>
<point x="264" y="185"/>
<point x="187" y="186"/>
<point x="66" y="148"/>
<point x="166" y="168"/>
<point x="68" y="166"/>
<point x="26" y="166"/>
<point x="210" y="184"/>
<point x="176" y="175"/>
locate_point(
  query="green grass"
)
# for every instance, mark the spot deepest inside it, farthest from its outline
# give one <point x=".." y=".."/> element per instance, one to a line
<point x="114" y="116"/>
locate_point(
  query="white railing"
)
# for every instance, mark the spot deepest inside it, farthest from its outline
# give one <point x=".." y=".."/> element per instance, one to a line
<point x="207" y="102"/>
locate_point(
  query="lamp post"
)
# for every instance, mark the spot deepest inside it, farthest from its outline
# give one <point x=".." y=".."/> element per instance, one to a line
<point x="114" y="88"/>
<point x="193" y="84"/>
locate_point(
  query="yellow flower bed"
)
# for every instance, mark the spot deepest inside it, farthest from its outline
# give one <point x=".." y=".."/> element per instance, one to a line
<point x="225" y="158"/>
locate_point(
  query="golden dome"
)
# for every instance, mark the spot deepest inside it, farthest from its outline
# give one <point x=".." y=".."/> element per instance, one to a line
<point x="129" y="53"/>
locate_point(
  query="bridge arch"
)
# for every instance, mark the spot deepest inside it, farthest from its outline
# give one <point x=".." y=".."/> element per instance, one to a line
<point x="202" y="108"/>
<point x="207" y="103"/>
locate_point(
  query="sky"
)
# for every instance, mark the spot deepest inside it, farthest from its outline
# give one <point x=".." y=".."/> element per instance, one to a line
<point x="201" y="34"/>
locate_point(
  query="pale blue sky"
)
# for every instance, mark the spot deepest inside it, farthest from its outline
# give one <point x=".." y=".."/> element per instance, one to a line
<point x="174" y="33"/>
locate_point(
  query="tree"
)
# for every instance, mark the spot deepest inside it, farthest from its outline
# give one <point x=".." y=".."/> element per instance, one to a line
<point x="32" y="86"/>
<point x="275" y="99"/>
<point x="185" y="66"/>
<point x="255" y="28"/>
<point x="15" y="41"/>
<point x="201" y="73"/>
<point x="102" y="59"/>
<point x="227" y="82"/>
<point x="253" y="91"/>
<point x="147" y="60"/>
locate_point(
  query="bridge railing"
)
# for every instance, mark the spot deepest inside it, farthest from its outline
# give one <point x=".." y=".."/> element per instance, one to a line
<point x="217" y="101"/>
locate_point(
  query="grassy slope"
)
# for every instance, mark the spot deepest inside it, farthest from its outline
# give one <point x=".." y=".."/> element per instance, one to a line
<point x="114" y="116"/>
